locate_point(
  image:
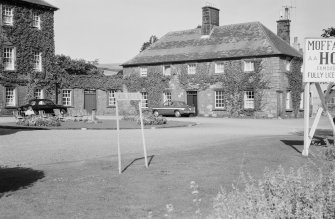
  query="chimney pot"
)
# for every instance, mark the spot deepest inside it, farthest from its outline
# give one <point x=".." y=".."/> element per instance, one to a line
<point x="210" y="19"/>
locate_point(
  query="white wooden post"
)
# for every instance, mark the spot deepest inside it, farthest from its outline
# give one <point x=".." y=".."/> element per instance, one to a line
<point x="143" y="139"/>
<point x="306" y="120"/>
<point x="118" y="136"/>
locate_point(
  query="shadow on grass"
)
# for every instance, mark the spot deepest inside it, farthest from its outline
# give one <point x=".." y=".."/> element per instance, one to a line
<point x="293" y="144"/>
<point x="142" y="158"/>
<point x="10" y="131"/>
<point x="13" y="179"/>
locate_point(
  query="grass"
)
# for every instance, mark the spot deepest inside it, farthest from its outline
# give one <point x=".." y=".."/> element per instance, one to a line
<point x="93" y="188"/>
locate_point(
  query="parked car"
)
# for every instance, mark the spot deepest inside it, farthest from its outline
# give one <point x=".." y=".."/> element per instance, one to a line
<point x="42" y="104"/>
<point x="177" y="108"/>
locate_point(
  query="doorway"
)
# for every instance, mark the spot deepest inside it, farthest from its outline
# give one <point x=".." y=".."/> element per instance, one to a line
<point x="90" y="100"/>
<point x="192" y="100"/>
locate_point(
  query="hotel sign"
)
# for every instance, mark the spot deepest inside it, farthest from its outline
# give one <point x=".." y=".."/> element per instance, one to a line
<point x="319" y="60"/>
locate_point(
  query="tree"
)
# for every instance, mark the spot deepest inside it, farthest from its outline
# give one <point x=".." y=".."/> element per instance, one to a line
<point x="330" y="32"/>
<point x="151" y="41"/>
<point x="77" y="66"/>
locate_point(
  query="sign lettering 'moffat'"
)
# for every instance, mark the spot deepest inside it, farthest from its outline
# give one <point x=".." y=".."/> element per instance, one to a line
<point x="319" y="60"/>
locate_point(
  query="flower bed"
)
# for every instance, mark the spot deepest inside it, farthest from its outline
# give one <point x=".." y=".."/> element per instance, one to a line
<point x="39" y="121"/>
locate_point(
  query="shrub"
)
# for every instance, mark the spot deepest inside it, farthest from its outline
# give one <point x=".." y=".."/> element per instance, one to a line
<point x="151" y="120"/>
<point x="304" y="193"/>
<point x="39" y="121"/>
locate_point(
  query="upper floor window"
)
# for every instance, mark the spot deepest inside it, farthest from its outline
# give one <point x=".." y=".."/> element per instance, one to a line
<point x="67" y="97"/>
<point x="144" y="99"/>
<point x="38" y="93"/>
<point x="37" y="61"/>
<point x="111" y="98"/>
<point x="167" y="70"/>
<point x="219" y="99"/>
<point x="249" y="100"/>
<point x="10" y="99"/>
<point x="7" y="15"/>
<point x="9" y="58"/>
<point x="143" y="72"/>
<point x="219" y="68"/>
<point x="36" y="20"/>
<point x="249" y="66"/>
<point x="191" y="69"/>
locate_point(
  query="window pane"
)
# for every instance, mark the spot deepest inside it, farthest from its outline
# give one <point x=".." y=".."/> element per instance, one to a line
<point x="248" y="66"/>
<point x="37" y="56"/>
<point x="8" y="58"/>
<point x="144" y="99"/>
<point x="111" y="98"/>
<point x="36" y="20"/>
<point x="167" y="70"/>
<point x="7" y="15"/>
<point x="191" y="69"/>
<point x="66" y="97"/>
<point x="38" y="93"/>
<point x="143" y="72"/>
<point x="10" y="96"/>
<point x="249" y="100"/>
<point x="219" y="68"/>
<point x="219" y="99"/>
<point x="167" y="97"/>
<point x="288" y="100"/>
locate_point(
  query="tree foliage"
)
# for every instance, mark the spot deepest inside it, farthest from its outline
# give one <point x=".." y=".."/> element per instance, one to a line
<point x="77" y="66"/>
<point x="329" y="32"/>
<point x="151" y="41"/>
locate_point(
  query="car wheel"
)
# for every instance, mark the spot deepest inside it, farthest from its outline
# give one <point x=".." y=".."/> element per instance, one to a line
<point x="191" y="115"/>
<point x="156" y="113"/>
<point x="177" y="113"/>
<point x="63" y="112"/>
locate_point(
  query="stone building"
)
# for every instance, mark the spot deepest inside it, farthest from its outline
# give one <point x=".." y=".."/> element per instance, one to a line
<point x="27" y="50"/>
<point x="212" y="49"/>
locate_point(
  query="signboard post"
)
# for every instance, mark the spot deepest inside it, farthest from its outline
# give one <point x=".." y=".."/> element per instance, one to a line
<point x="319" y="67"/>
<point x="129" y="97"/>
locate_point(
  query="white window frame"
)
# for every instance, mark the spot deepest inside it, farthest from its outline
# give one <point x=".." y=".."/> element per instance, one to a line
<point x="144" y="99"/>
<point x="37" y="57"/>
<point x="36" y="20"/>
<point x="248" y="66"/>
<point x="288" y="100"/>
<point x="143" y="71"/>
<point x="166" y="70"/>
<point x="8" y="16"/>
<point x="9" y="58"/>
<point x="167" y="96"/>
<point x="301" y="106"/>
<point x="219" y="67"/>
<point x="288" y="65"/>
<point x="10" y="97"/>
<point x="192" y="69"/>
<point x="38" y="93"/>
<point x="249" y="99"/>
<point x="67" y="97"/>
<point x="219" y="99"/>
<point x="111" y="97"/>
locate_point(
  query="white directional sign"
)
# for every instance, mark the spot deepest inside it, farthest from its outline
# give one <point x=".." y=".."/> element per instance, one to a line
<point x="319" y="60"/>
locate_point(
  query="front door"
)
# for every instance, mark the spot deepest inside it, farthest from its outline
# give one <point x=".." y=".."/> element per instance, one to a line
<point x="192" y="100"/>
<point x="90" y="100"/>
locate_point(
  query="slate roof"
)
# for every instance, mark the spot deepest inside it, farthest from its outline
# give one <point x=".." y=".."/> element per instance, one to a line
<point x="231" y="41"/>
<point x="40" y="2"/>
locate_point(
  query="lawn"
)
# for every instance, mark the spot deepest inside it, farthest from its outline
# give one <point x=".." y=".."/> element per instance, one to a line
<point x="94" y="189"/>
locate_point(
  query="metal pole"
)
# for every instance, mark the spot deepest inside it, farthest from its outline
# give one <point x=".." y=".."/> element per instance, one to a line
<point x="118" y="136"/>
<point x="143" y="139"/>
<point x="306" y="120"/>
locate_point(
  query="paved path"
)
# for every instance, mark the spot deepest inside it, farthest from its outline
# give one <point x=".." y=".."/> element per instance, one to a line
<point x="34" y="148"/>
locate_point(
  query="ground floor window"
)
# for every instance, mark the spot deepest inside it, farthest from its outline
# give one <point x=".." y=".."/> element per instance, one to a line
<point x="111" y="97"/>
<point x="67" y="97"/>
<point x="38" y="93"/>
<point x="288" y="101"/>
<point x="219" y="100"/>
<point x="144" y="99"/>
<point x="249" y="100"/>
<point x="167" y="96"/>
<point x="10" y="99"/>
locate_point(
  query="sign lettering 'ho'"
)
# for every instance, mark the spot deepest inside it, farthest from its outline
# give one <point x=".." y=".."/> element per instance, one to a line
<point x="319" y="60"/>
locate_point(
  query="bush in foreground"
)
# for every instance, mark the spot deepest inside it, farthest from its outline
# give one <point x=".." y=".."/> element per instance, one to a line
<point x="304" y="193"/>
<point x="39" y="121"/>
<point x="148" y="119"/>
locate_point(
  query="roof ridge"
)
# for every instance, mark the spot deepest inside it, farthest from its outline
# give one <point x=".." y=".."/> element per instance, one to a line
<point x="261" y="27"/>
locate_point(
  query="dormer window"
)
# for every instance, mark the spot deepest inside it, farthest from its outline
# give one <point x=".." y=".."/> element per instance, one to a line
<point x="191" y="69"/>
<point x="37" y="21"/>
<point x="249" y="66"/>
<point x="7" y="14"/>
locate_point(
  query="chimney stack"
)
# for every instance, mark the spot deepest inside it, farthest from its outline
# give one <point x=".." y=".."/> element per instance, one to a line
<point x="283" y="25"/>
<point x="210" y="19"/>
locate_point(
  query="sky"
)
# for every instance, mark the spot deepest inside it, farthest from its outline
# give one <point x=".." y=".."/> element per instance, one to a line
<point x="113" y="31"/>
